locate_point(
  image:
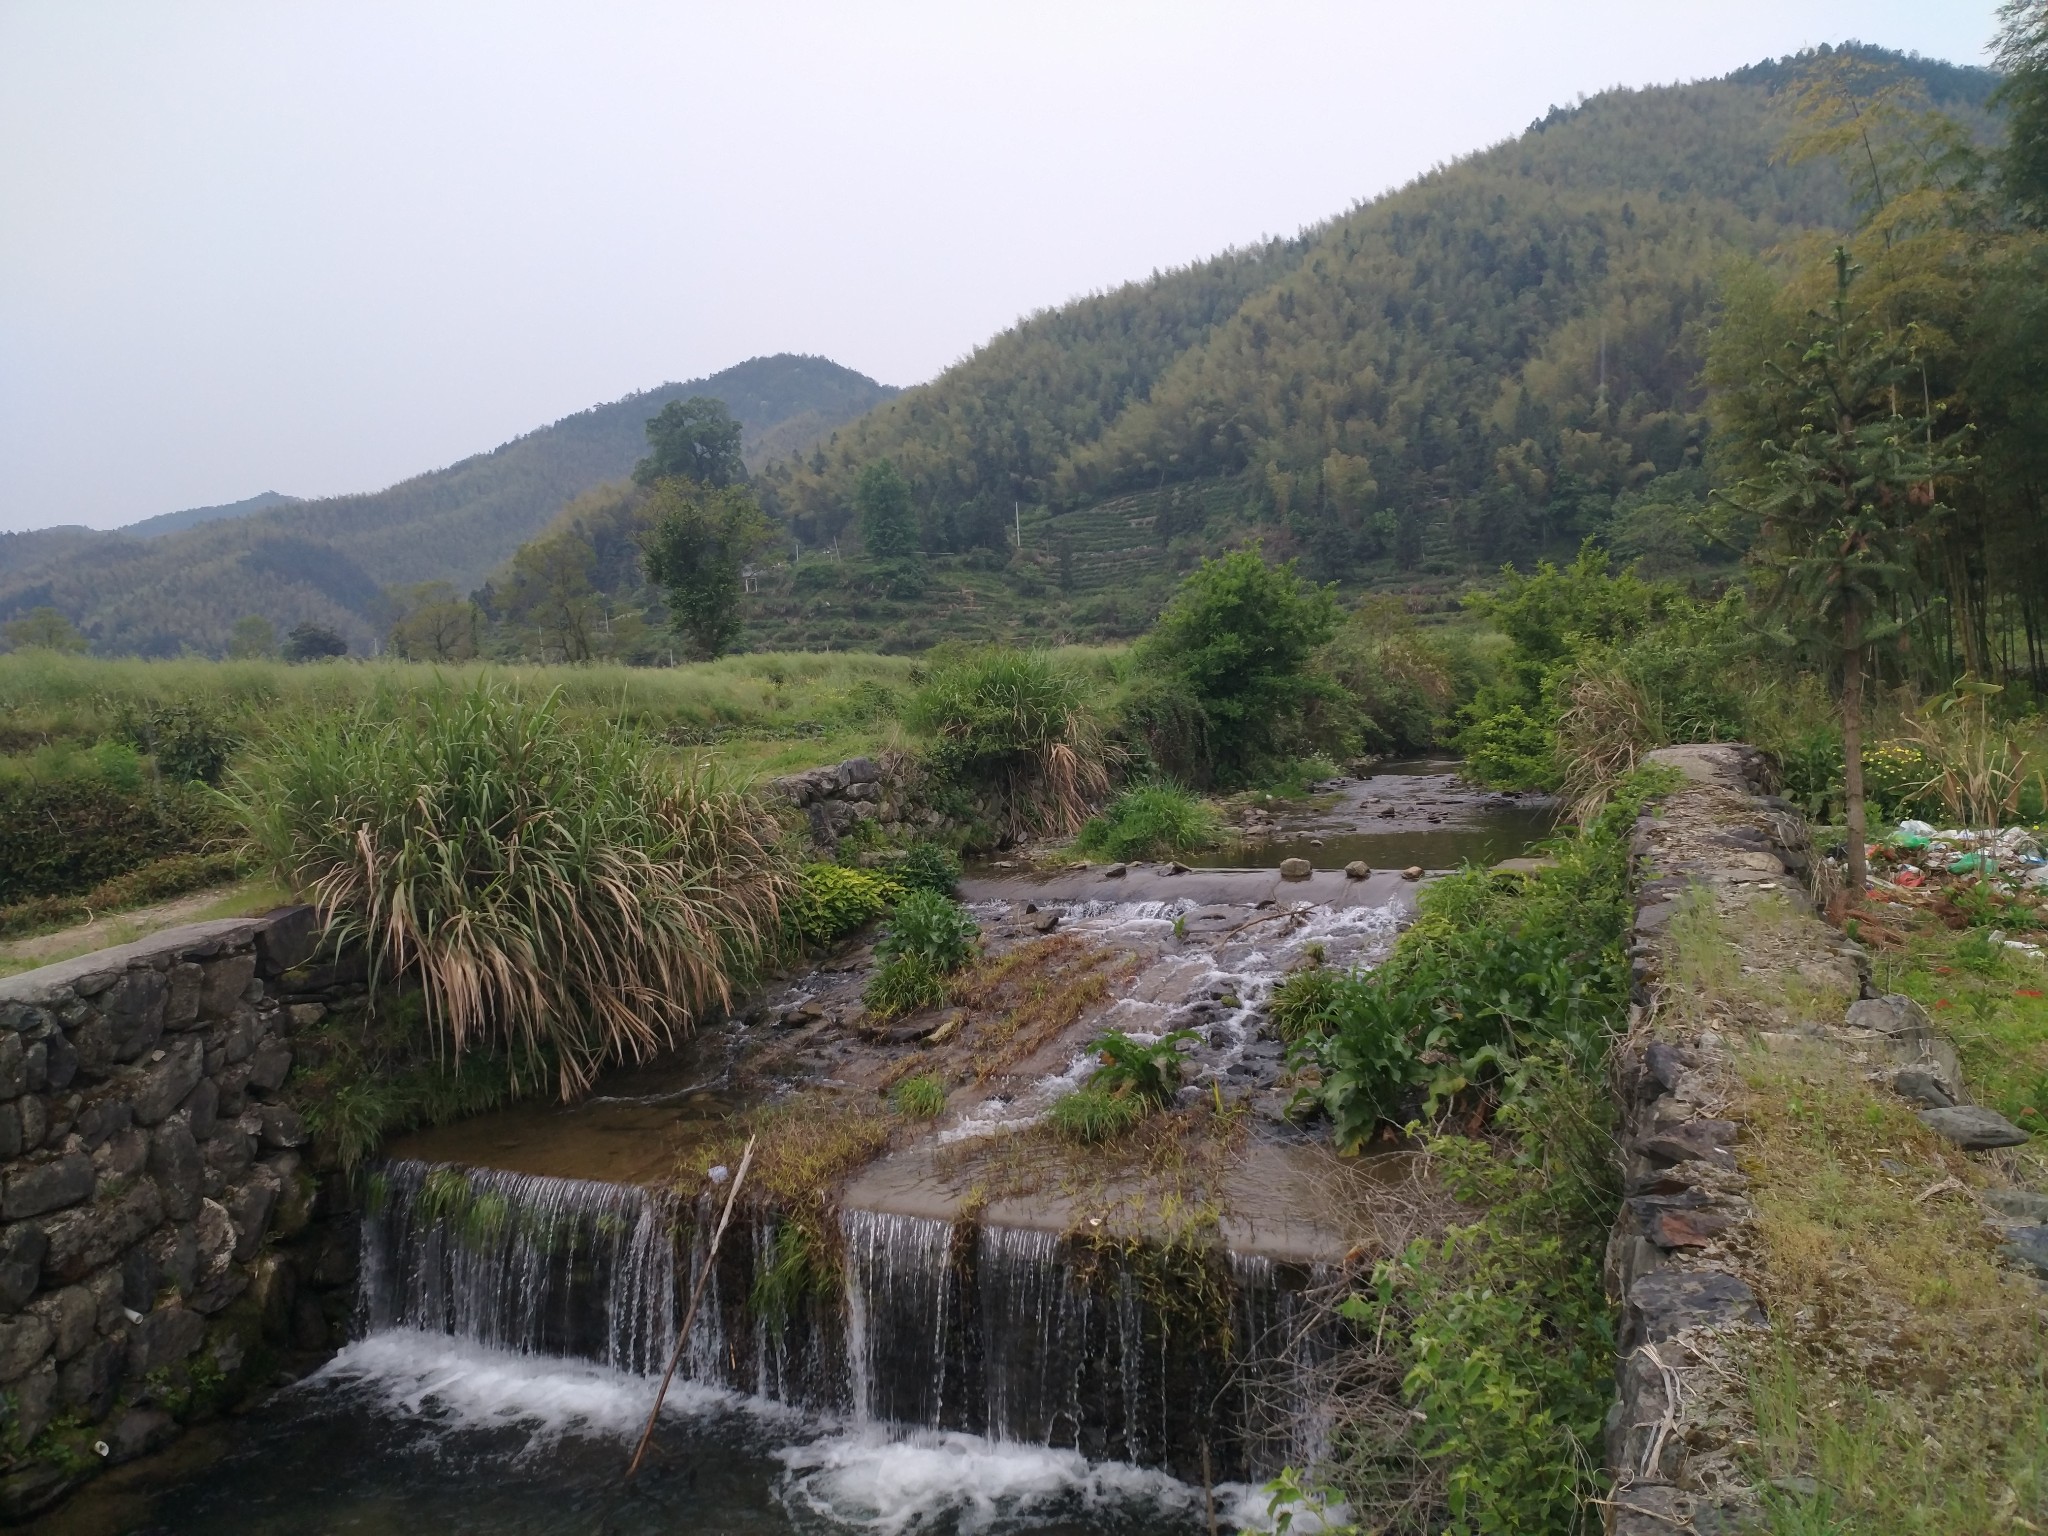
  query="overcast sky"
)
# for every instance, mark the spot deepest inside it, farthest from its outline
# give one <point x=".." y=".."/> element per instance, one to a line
<point x="318" y="247"/>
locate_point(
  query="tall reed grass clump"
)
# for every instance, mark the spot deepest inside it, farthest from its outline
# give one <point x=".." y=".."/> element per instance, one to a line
<point x="1016" y="728"/>
<point x="561" y="893"/>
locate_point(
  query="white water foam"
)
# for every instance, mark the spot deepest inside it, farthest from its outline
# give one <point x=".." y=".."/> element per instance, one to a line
<point x="463" y="1385"/>
<point x="963" y="1483"/>
<point x="859" y="1479"/>
<point x="1247" y="969"/>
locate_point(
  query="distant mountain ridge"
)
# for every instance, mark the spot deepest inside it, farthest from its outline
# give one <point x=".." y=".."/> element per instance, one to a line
<point x="156" y="591"/>
<point x="192" y="517"/>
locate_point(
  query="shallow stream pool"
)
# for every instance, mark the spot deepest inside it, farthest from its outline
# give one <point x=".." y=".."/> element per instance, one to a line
<point x="406" y="1434"/>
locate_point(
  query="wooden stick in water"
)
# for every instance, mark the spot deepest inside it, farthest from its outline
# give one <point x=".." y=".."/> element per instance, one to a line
<point x="690" y="1317"/>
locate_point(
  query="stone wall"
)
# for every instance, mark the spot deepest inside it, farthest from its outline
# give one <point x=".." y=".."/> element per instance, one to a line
<point x="163" y="1244"/>
<point x="839" y="796"/>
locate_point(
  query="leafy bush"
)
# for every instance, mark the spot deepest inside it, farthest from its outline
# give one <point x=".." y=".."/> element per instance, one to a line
<point x="1510" y="747"/>
<point x="922" y="1097"/>
<point x="1014" y="727"/>
<point x="1228" y="664"/>
<point x="933" y="928"/>
<point x="1149" y="821"/>
<point x="928" y="938"/>
<point x="1148" y="1071"/>
<point x="1500" y="1329"/>
<point x="72" y="819"/>
<point x="553" y="887"/>
<point x="832" y="900"/>
<point x="1398" y="684"/>
<point x="1494" y="971"/>
<point x="928" y="866"/>
<point x="188" y="741"/>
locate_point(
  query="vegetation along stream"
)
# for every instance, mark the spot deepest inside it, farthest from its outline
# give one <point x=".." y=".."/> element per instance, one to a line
<point x="1154" y="1092"/>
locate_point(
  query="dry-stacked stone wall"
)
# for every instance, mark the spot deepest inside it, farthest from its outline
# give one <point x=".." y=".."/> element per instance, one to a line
<point x="840" y="796"/>
<point x="163" y="1242"/>
<point x="1681" y="1443"/>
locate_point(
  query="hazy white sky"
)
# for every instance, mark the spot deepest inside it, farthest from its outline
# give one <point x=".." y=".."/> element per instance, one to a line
<point x="318" y="247"/>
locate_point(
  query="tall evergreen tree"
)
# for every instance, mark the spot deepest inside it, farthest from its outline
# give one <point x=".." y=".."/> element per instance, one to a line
<point x="1847" y="503"/>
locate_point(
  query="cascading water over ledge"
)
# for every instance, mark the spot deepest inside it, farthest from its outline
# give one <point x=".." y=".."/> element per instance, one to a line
<point x="538" y="1265"/>
<point x="1123" y="1352"/>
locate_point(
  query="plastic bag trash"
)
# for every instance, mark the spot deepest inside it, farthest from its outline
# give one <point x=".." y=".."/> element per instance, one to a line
<point x="1911" y="834"/>
<point x="719" y="1174"/>
<point x="1909" y="878"/>
<point x="2037" y="877"/>
<point x="1973" y="864"/>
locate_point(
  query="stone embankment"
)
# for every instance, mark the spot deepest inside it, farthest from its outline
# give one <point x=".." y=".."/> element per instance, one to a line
<point x="1687" y="1261"/>
<point x="158" y="1237"/>
<point x="840" y="796"/>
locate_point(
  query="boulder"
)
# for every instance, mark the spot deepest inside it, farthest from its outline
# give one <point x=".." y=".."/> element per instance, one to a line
<point x="87" y="1237"/>
<point x="1894" y="1014"/>
<point x="73" y="1316"/>
<point x="1973" y="1127"/>
<point x="1357" y="869"/>
<point x="163" y="1084"/>
<point x="138" y="1432"/>
<point x="24" y="1339"/>
<point x="1412" y="872"/>
<point x="1295" y="869"/>
<point x="226" y="980"/>
<point x="47" y="1186"/>
<point x="179" y="1171"/>
<point x="2028" y="1246"/>
<point x="1923" y="1088"/>
<point x="22" y="1247"/>
<point x="164" y="1337"/>
<point x="2019" y="1205"/>
<point x="1668" y="1301"/>
<point x="1115" y="872"/>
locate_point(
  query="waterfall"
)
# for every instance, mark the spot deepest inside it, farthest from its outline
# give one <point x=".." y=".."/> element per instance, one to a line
<point x="1121" y="1352"/>
<point x="537" y="1265"/>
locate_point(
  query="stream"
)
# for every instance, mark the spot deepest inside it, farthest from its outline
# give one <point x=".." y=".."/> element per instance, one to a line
<point x="513" y="1324"/>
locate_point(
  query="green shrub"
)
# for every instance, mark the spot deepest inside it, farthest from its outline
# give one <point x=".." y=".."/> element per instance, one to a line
<point x="189" y="742"/>
<point x="156" y="881"/>
<point x="1493" y="971"/>
<point x="1015" y="728"/>
<point x="903" y="984"/>
<point x="1147" y="1071"/>
<point x="1094" y="1114"/>
<point x="554" y="887"/>
<point x="1500" y="1329"/>
<point x="932" y="928"/>
<point x="928" y="938"/>
<point x="1305" y="1003"/>
<point x="71" y="819"/>
<point x="928" y="866"/>
<point x="1149" y="821"/>
<point x="919" y="1098"/>
<point x="1509" y="747"/>
<point x="1229" y="685"/>
<point x="833" y="900"/>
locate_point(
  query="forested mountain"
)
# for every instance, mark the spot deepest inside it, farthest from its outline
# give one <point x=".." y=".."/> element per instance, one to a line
<point x="1497" y="359"/>
<point x="192" y="517"/>
<point x="327" y="561"/>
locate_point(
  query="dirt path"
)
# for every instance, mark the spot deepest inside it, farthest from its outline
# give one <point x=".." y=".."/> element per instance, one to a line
<point x="232" y="900"/>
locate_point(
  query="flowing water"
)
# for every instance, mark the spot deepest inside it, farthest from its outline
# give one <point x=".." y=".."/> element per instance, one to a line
<point x="968" y="1379"/>
<point x="966" y="1376"/>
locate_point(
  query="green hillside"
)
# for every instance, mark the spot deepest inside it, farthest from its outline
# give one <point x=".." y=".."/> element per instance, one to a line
<point x="1497" y="360"/>
<point x="326" y="561"/>
<point x="170" y="522"/>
